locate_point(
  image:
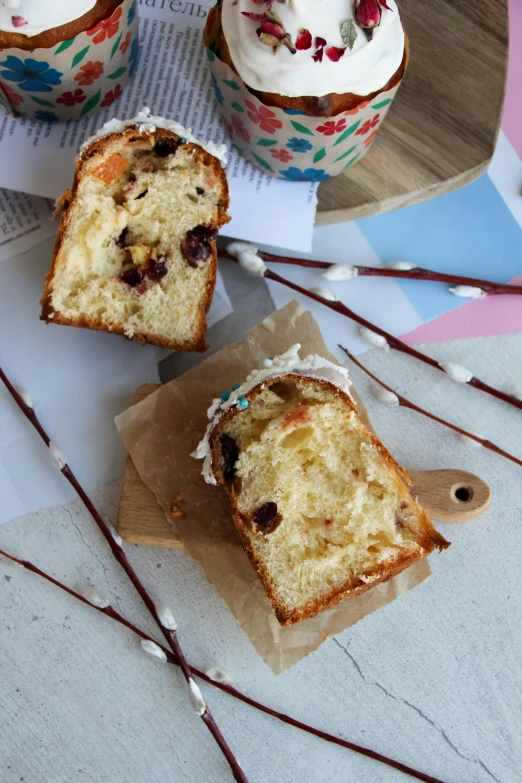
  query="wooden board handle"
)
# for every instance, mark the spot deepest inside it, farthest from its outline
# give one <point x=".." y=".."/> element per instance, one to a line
<point x="450" y="495"/>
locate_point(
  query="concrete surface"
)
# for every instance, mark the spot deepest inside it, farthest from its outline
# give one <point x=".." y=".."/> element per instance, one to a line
<point x="433" y="680"/>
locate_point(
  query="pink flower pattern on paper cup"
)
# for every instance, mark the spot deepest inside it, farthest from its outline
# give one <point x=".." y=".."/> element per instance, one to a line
<point x="289" y="144"/>
<point x="76" y="77"/>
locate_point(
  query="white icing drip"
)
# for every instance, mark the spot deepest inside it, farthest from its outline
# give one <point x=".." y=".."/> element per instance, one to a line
<point x="41" y="15"/>
<point x="400" y="266"/>
<point x="196" y="697"/>
<point x="165" y="616"/>
<point x="325" y="293"/>
<point x="147" y="122"/>
<point x="154" y="650"/>
<point x="288" y="362"/>
<point x="26" y="397"/>
<point x="340" y="272"/>
<point x="468" y="291"/>
<point x="57" y="456"/>
<point x="218" y="675"/>
<point x="385" y="396"/>
<point x="93" y="597"/>
<point x="248" y="258"/>
<point x="373" y="338"/>
<point x="456" y="372"/>
<point x="365" y="69"/>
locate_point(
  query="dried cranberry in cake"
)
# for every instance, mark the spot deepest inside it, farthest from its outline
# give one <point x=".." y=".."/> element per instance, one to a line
<point x="229" y="451"/>
<point x="199" y="191"/>
<point x="121" y="240"/>
<point x="132" y="276"/>
<point x="156" y="269"/>
<point x="165" y="147"/>
<point x="195" y="247"/>
<point x="267" y="517"/>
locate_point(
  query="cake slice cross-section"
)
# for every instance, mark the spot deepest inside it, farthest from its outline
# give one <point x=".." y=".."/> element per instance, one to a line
<point x="135" y="252"/>
<point x="321" y="507"/>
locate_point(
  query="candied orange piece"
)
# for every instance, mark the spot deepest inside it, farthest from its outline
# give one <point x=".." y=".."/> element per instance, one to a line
<point x="110" y="169"/>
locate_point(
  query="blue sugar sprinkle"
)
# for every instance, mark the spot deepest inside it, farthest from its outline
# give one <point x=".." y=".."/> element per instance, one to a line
<point x="242" y="402"/>
<point x="235" y="386"/>
<point x="225" y="396"/>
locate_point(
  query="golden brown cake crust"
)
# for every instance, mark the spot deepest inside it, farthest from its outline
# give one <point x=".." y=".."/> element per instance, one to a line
<point x="324" y="106"/>
<point x="102" y="10"/>
<point x="132" y="133"/>
<point x="429" y="538"/>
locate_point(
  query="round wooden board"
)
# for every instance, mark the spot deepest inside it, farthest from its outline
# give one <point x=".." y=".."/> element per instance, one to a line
<point x="441" y="130"/>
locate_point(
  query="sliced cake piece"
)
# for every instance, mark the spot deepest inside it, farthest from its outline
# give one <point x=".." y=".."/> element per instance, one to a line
<point x="320" y="505"/>
<point x="135" y="252"/>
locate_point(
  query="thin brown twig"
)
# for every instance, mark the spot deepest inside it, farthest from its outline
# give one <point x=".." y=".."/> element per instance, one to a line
<point x="489" y="287"/>
<point x="405" y="403"/>
<point x="392" y="341"/>
<point x="119" y="554"/>
<point x="229" y="689"/>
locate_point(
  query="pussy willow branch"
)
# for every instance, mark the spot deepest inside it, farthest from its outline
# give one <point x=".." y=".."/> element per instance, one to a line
<point x="120" y="556"/>
<point x="417" y="273"/>
<point x="405" y="403"/>
<point x="114" y="615"/>
<point x="393" y="342"/>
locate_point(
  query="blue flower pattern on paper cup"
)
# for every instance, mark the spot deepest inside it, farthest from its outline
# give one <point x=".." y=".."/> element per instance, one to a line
<point x="287" y="143"/>
<point x="75" y="77"/>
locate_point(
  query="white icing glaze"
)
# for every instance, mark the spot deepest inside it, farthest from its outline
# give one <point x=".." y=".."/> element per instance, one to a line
<point x="147" y="122"/>
<point x="365" y="69"/>
<point x="41" y="15"/>
<point x="288" y="362"/>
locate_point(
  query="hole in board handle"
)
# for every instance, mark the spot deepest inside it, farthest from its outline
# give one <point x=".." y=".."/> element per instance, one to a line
<point x="462" y="493"/>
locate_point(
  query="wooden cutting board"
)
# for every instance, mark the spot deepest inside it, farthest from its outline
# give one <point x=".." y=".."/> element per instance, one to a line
<point x="441" y="130"/>
<point x="447" y="495"/>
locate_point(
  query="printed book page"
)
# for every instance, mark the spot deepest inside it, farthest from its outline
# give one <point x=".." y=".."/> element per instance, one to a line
<point x="24" y="222"/>
<point x="172" y="79"/>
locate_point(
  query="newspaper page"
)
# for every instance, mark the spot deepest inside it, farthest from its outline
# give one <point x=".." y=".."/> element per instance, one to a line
<point x="172" y="79"/>
<point x="24" y="222"/>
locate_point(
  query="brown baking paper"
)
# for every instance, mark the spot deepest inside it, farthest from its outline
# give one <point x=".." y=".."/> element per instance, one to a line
<point x="160" y="434"/>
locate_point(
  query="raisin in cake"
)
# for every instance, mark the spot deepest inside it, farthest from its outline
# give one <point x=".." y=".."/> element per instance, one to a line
<point x="135" y="252"/>
<point x="321" y="506"/>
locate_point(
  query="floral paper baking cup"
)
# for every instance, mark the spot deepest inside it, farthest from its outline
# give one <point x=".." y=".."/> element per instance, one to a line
<point x="288" y="143"/>
<point x="75" y="77"/>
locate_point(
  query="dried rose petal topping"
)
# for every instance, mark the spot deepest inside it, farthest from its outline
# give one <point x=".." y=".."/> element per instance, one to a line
<point x="320" y="42"/>
<point x="254" y="17"/>
<point x="18" y="21"/>
<point x="318" y="56"/>
<point x="368" y="13"/>
<point x="304" y="39"/>
<point x="272" y="28"/>
<point x="385" y="5"/>
<point x="334" y="53"/>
